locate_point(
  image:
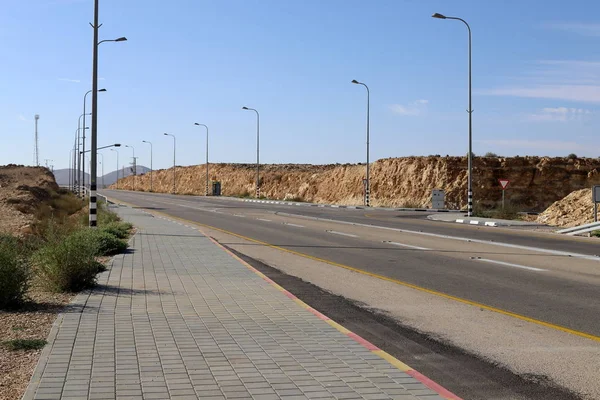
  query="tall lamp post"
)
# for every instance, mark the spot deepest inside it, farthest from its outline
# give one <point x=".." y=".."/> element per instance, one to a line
<point x="197" y="124"/>
<point x="174" y="146"/>
<point x="93" y="200"/>
<point x="102" y="162"/>
<point x="257" y="150"/>
<point x="134" y="165"/>
<point x="151" y="168"/>
<point x="368" y="180"/>
<point x="78" y="141"/>
<point x="117" y="181"/>
<point x="470" y="111"/>
<point x="83" y="115"/>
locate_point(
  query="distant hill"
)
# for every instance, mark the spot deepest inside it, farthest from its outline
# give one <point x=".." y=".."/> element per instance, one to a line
<point x="62" y="176"/>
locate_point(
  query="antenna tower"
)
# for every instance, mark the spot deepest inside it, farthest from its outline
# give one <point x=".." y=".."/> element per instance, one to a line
<point x="36" y="154"/>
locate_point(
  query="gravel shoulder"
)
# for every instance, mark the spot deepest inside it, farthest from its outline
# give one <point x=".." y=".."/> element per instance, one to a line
<point x="31" y="322"/>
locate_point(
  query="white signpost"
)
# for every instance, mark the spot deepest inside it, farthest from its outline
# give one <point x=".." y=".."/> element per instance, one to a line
<point x="504" y="183"/>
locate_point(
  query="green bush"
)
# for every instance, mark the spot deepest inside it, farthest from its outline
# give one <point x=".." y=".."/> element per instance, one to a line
<point x="106" y="243"/>
<point x="24" y="344"/>
<point x="14" y="273"/>
<point x="117" y="229"/>
<point x="68" y="265"/>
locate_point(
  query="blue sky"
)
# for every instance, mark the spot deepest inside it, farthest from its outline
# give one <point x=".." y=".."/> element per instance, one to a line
<point x="536" y="78"/>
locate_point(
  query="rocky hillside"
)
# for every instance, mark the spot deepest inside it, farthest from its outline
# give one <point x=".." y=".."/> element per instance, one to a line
<point x="535" y="182"/>
<point x="22" y="190"/>
<point x="575" y="209"/>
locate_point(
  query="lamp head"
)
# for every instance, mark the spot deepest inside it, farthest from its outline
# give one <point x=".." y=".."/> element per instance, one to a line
<point x="245" y="108"/>
<point x="166" y="134"/>
<point x="195" y="123"/>
<point x="439" y="16"/>
<point x="121" y="39"/>
<point x="102" y="90"/>
<point x="117" y="145"/>
<point x="355" y="81"/>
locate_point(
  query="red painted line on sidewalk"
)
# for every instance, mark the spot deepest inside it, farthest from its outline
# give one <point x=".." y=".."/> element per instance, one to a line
<point x="442" y="391"/>
<point x="363" y="341"/>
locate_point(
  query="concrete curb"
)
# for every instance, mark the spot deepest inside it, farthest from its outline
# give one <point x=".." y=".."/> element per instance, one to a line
<point x="439" y="389"/>
<point x="480" y="223"/>
<point x="290" y="203"/>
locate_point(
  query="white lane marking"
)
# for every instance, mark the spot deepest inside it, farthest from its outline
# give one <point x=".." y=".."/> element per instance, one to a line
<point x="239" y="215"/>
<point x="262" y="219"/>
<point x="509" y="264"/>
<point x="341" y="233"/>
<point x="297" y="226"/>
<point x="406" y="245"/>
<point x="459" y="238"/>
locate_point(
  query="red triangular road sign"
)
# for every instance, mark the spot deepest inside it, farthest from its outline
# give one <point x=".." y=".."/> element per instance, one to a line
<point x="504" y="183"/>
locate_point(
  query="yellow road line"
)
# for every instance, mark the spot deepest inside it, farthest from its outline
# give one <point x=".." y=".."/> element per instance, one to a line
<point x="396" y="281"/>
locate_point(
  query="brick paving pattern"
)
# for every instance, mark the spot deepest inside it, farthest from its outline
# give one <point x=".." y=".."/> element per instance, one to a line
<point x="179" y="318"/>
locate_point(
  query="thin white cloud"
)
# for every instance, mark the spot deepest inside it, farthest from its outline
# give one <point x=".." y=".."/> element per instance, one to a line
<point x="535" y="144"/>
<point x="571" y="80"/>
<point x="579" y="28"/>
<point x="577" y="93"/>
<point x="21" y="117"/>
<point x="414" y="108"/>
<point x="69" y="80"/>
<point x="560" y="114"/>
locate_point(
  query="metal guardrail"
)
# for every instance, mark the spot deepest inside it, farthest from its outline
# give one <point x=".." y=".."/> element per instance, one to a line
<point x="578" y="230"/>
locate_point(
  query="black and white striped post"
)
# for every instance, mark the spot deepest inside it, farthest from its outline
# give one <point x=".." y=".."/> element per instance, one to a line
<point x="94" y="142"/>
<point x="470" y="111"/>
<point x="257" y="150"/>
<point x="94" y="146"/>
<point x="368" y="181"/>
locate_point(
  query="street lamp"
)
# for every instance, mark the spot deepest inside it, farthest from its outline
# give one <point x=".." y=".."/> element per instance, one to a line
<point x="83" y="115"/>
<point x="79" y="162"/>
<point x="117" y="181"/>
<point x="368" y="180"/>
<point x="197" y="124"/>
<point x="103" y="147"/>
<point x="94" y="144"/>
<point x="151" y="169"/>
<point x="134" y="165"/>
<point x="102" y="162"/>
<point x="257" y="150"/>
<point x="174" y="146"/>
<point x="470" y="111"/>
<point x="121" y="39"/>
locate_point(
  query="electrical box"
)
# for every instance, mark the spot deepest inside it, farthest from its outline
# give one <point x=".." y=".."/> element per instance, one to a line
<point x="216" y="188"/>
<point x="438" y="199"/>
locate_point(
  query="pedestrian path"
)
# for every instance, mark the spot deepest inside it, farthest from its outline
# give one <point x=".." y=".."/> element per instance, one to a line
<point x="178" y="317"/>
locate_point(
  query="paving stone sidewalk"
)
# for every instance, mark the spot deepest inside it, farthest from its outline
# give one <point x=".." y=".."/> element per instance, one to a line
<point x="177" y="317"/>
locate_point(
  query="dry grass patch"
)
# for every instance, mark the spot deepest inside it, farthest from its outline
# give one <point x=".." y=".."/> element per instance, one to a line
<point x="31" y="323"/>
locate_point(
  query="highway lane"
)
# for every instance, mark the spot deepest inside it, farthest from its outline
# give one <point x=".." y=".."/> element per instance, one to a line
<point x="415" y="221"/>
<point x="565" y="293"/>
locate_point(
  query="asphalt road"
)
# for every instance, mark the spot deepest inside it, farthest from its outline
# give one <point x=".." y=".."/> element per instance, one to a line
<point x="539" y="284"/>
